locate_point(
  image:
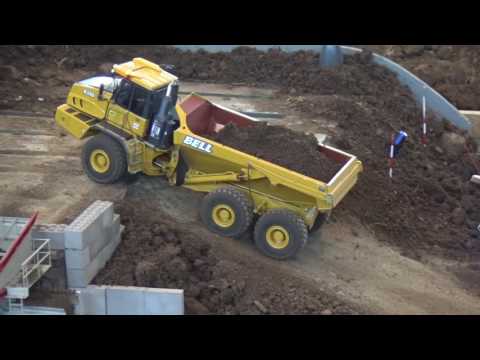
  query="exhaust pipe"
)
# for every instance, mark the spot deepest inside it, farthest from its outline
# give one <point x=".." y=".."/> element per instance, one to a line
<point x="161" y="133"/>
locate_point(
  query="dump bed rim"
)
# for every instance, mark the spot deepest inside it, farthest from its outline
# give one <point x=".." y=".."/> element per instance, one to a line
<point x="322" y="184"/>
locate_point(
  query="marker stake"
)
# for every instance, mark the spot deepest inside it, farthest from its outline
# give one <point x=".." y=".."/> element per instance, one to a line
<point x="424" y="129"/>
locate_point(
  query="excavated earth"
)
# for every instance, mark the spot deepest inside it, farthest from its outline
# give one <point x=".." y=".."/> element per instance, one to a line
<point x="429" y="205"/>
<point x="157" y="252"/>
<point x="453" y="70"/>
<point x="429" y="208"/>
<point x="279" y="145"/>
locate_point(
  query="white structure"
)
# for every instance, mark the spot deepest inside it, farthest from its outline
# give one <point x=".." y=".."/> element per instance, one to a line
<point x="23" y="261"/>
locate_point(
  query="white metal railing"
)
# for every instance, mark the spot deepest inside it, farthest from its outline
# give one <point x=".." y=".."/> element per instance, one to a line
<point x="36" y="264"/>
<point x="32" y="269"/>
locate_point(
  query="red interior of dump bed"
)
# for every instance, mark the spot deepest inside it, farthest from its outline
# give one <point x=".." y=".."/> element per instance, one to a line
<point x="204" y="118"/>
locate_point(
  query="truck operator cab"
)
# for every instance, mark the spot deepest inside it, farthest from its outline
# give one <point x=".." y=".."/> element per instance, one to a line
<point x="129" y="98"/>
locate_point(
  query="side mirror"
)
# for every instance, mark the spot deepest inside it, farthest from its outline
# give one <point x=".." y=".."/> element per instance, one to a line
<point x="100" y="93"/>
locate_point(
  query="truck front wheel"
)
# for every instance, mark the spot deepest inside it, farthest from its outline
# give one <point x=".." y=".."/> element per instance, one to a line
<point x="104" y="160"/>
<point x="280" y="234"/>
<point x="227" y="212"/>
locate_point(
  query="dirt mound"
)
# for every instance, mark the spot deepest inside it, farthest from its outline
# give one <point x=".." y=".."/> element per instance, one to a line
<point x="414" y="211"/>
<point x="157" y="252"/>
<point x="452" y="70"/>
<point x="290" y="149"/>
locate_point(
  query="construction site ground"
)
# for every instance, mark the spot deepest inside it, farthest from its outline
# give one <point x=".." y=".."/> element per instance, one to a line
<point x="349" y="267"/>
<point x="345" y="268"/>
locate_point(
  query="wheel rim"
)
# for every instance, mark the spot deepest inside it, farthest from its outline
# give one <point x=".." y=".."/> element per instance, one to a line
<point x="100" y="161"/>
<point x="278" y="237"/>
<point x="223" y="216"/>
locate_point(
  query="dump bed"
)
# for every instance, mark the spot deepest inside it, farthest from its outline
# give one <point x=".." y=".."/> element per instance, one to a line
<point x="200" y="119"/>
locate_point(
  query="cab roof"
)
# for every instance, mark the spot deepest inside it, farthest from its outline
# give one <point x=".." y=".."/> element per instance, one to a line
<point x="145" y="73"/>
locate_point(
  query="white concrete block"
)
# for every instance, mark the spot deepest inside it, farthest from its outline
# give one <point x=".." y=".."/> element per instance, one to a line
<point x="54" y="232"/>
<point x="92" y="225"/>
<point x="18" y="293"/>
<point x="111" y="233"/>
<point x="125" y="301"/>
<point x="91" y="301"/>
<point x="80" y="259"/>
<point x="144" y="301"/>
<point x="80" y="278"/>
<point x="77" y="259"/>
<point x="164" y="302"/>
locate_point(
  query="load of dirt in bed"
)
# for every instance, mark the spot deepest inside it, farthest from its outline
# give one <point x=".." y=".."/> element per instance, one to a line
<point x="156" y="251"/>
<point x="291" y="149"/>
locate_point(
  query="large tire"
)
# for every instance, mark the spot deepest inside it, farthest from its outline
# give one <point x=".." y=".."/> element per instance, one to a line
<point x="104" y="160"/>
<point x="280" y="234"/>
<point x="227" y="212"/>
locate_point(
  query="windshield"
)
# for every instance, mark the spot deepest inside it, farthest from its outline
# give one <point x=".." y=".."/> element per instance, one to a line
<point x="109" y="82"/>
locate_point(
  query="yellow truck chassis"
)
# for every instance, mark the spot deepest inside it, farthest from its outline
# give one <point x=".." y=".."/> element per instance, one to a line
<point x="249" y="185"/>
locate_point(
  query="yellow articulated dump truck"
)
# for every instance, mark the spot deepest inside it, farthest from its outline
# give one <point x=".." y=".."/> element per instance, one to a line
<point x="134" y="124"/>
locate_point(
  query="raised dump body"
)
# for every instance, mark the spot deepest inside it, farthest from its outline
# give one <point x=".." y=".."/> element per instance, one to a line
<point x="272" y="186"/>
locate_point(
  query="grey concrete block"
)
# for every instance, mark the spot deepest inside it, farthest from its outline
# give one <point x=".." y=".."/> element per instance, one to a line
<point x="77" y="259"/>
<point x="80" y="259"/>
<point x="80" y="278"/>
<point x="110" y="235"/>
<point x="92" y="225"/>
<point x="91" y="301"/>
<point x="125" y="301"/>
<point x="164" y="302"/>
<point x="144" y="301"/>
<point x="54" y="232"/>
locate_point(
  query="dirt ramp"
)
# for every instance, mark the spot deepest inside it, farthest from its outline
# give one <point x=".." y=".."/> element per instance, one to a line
<point x="158" y="252"/>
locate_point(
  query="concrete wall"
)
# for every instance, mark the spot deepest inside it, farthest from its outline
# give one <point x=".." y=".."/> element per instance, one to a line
<point x="117" y="300"/>
<point x="474" y="117"/>
<point x="88" y="242"/>
<point x="54" y="232"/>
<point x="219" y="48"/>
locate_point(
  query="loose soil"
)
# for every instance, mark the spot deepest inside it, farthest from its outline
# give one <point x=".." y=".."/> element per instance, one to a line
<point x="291" y="149"/>
<point x="453" y="70"/>
<point x="157" y="251"/>
<point x="429" y="206"/>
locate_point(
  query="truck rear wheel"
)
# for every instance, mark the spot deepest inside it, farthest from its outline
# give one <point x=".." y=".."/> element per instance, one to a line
<point x="227" y="212"/>
<point x="104" y="160"/>
<point x="280" y="234"/>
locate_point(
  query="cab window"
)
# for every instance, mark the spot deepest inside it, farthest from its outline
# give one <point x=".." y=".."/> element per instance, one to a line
<point x="124" y="94"/>
<point x="109" y="82"/>
<point x="140" y="102"/>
